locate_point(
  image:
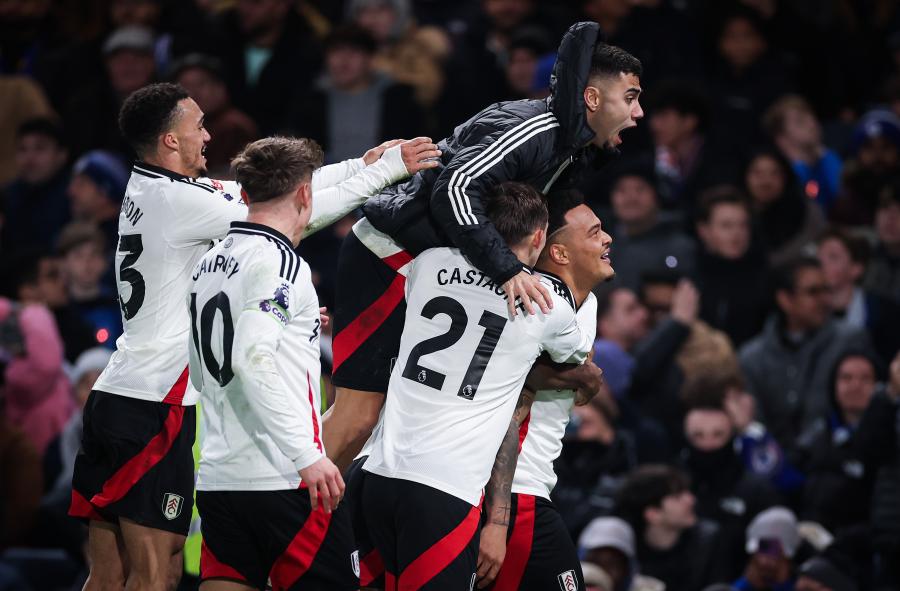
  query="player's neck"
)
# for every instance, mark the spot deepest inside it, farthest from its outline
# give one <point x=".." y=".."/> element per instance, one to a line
<point x="278" y="217"/>
<point x="170" y="162"/>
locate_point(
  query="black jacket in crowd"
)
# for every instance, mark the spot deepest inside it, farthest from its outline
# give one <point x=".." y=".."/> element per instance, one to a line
<point x="544" y="143"/>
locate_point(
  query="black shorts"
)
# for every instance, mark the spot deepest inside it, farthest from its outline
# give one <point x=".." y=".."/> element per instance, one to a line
<point x="135" y="462"/>
<point x="371" y="566"/>
<point x="427" y="538"/>
<point x="257" y="537"/>
<point x="540" y="554"/>
<point x="369" y="309"/>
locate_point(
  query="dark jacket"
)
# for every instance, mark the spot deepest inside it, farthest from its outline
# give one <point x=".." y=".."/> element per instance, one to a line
<point x="694" y="562"/>
<point x="538" y="142"/>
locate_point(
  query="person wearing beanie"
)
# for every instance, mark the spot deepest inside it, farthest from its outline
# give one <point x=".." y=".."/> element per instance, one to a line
<point x="607" y="544"/>
<point x="96" y="190"/>
<point x="820" y="574"/>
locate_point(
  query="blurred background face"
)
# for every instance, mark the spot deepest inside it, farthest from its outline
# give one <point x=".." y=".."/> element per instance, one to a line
<point x="801" y="127"/>
<point x="520" y="70"/>
<point x="670" y="128"/>
<point x="85" y="264"/>
<point x="879" y="155"/>
<point x="85" y="197"/>
<point x="677" y="511"/>
<point x="627" y="319"/>
<point x="38" y="158"/>
<point x="854" y="384"/>
<point x="633" y="200"/>
<point x="130" y="70"/>
<point x="378" y="19"/>
<point x="206" y="89"/>
<point x="707" y="429"/>
<point x="740" y="43"/>
<point x="592" y="425"/>
<point x="85" y="385"/>
<point x="611" y="560"/>
<point x="839" y="268"/>
<point x="657" y="298"/>
<point x="347" y="66"/>
<point x="765" y="180"/>
<point x="887" y="224"/>
<point x="259" y="16"/>
<point x="727" y="232"/>
<point x="507" y="14"/>
<point x="807" y="307"/>
<point x="49" y="288"/>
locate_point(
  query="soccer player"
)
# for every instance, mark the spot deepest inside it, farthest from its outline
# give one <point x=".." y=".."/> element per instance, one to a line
<point x="543" y="143"/>
<point x="255" y="358"/>
<point x="134" y="474"/>
<point x="462" y="364"/>
<point x="539" y="552"/>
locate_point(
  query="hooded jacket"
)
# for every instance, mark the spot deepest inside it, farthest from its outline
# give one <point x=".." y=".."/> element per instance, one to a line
<point x="543" y="143"/>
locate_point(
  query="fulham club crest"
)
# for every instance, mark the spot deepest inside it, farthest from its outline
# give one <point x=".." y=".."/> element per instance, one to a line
<point x="172" y="504"/>
<point x="567" y="581"/>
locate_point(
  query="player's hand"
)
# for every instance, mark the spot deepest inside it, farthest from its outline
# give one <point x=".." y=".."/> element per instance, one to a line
<point x="323" y="480"/>
<point x="529" y="288"/>
<point x="491" y="551"/>
<point x="419" y="154"/>
<point x="375" y="153"/>
<point x="324" y="318"/>
<point x="592" y="382"/>
<point x="685" y="302"/>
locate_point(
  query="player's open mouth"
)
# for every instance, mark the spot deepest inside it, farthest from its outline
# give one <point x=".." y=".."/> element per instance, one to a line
<point x="605" y="256"/>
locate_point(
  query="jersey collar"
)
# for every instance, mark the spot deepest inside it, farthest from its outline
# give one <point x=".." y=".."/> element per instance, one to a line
<point x="560" y="287"/>
<point x="152" y="170"/>
<point x="260" y="230"/>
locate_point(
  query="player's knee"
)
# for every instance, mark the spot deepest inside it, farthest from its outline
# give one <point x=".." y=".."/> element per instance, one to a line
<point x="104" y="580"/>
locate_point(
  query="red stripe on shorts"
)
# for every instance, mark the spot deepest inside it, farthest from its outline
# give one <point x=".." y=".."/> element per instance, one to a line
<point x="211" y="568"/>
<point x="363" y="326"/>
<point x="81" y="507"/>
<point x="300" y="553"/>
<point x="431" y="562"/>
<point x="134" y="469"/>
<point x="176" y="393"/>
<point x="370" y="568"/>
<point x="518" y="548"/>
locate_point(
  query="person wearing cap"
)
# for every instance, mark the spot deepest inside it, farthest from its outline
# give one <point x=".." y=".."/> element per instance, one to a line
<point x="607" y="543"/>
<point x="820" y="574"/>
<point x="232" y="129"/>
<point x="95" y="192"/>
<point x="875" y="161"/>
<point x="772" y="540"/>
<point x="647" y="237"/>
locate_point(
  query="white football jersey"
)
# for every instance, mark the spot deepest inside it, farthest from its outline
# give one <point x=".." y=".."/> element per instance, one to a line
<point x="166" y="223"/>
<point x="460" y="370"/>
<point x="542" y="432"/>
<point x="255" y="359"/>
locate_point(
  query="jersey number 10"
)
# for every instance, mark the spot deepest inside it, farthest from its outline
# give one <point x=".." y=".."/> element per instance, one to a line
<point x="203" y="340"/>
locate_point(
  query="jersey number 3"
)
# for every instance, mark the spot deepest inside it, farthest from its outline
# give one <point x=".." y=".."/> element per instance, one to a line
<point x="493" y="328"/>
<point x="131" y="244"/>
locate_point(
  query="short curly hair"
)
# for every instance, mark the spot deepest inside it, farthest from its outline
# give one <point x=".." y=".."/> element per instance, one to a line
<point x="149" y="112"/>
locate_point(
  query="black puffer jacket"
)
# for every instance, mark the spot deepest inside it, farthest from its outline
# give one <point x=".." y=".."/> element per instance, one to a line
<point x="542" y="143"/>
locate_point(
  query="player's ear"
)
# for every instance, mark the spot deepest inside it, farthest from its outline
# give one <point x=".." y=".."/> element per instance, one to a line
<point x="592" y="98"/>
<point x="304" y="194"/>
<point x="170" y="141"/>
<point x="559" y="254"/>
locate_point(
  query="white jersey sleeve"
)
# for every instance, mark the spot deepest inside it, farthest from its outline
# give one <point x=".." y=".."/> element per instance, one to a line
<point x="204" y="213"/>
<point x="333" y="174"/>
<point x="563" y="340"/>
<point x="542" y="432"/>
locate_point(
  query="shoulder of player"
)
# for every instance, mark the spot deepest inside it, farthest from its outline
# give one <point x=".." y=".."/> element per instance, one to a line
<point x="175" y="185"/>
<point x="519" y="120"/>
<point x="560" y="290"/>
<point x="271" y="252"/>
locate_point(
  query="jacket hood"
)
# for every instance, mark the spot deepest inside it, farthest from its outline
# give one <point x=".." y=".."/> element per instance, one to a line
<point x="568" y="80"/>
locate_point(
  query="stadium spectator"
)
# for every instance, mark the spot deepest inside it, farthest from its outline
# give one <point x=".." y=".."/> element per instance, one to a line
<point x="843" y="258"/>
<point x="35" y="390"/>
<point x="726" y="491"/>
<point x="608" y="542"/>
<point x="36" y="277"/>
<point x="883" y="274"/>
<point x="672" y="544"/>
<point x="792" y="125"/>
<point x="787" y="365"/>
<point x="838" y="488"/>
<point x="622" y="322"/>
<point x="20" y="486"/>
<point x="231" y="129"/>
<point x="36" y="207"/>
<point x="85" y="261"/>
<point x="731" y="271"/>
<point x="96" y="190"/>
<point x="528" y="50"/>
<point x="874" y="163"/>
<point x="786" y="222"/>
<point x="21" y="100"/>
<point x="354" y="107"/>
<point x="269" y="53"/>
<point x="772" y="540"/>
<point x="820" y="574"/>
<point x="647" y="238"/>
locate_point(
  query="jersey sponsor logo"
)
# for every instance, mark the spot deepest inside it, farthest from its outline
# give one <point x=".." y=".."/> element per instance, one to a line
<point x="567" y="581"/>
<point x="354" y="562"/>
<point x="172" y="505"/>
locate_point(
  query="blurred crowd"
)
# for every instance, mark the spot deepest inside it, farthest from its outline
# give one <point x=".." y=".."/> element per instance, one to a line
<point x="751" y="434"/>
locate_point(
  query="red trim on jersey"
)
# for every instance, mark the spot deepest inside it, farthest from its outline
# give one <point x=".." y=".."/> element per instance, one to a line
<point x="523" y="430"/>
<point x="134" y="469"/>
<point x="370" y="568"/>
<point x="300" y="553"/>
<point x="431" y="562"/>
<point x="518" y="548"/>
<point x="347" y="341"/>
<point x="390" y="581"/>
<point x="212" y="568"/>
<point x="81" y="507"/>
<point x="176" y="393"/>
<point x="395" y="261"/>
<point x="315" y="416"/>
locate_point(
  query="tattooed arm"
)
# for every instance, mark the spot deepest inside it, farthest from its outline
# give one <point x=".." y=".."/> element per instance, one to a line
<point x="498" y="496"/>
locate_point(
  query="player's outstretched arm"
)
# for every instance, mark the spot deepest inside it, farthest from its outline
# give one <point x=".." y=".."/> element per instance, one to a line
<point x="498" y="496"/>
<point x="331" y="203"/>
